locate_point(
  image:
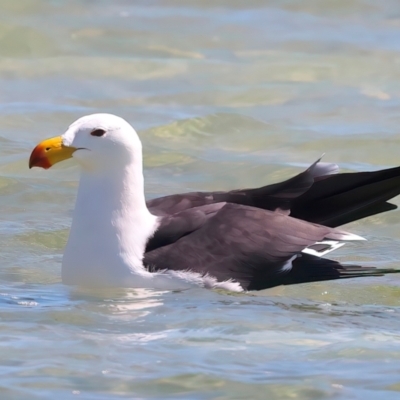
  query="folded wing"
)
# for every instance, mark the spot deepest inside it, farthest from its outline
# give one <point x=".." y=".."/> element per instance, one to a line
<point x="256" y="248"/>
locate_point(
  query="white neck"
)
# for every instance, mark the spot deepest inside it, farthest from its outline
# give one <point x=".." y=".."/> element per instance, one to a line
<point x="110" y="228"/>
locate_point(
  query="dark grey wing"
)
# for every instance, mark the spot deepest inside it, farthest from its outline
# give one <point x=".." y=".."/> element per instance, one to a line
<point x="175" y="203"/>
<point x="339" y="199"/>
<point x="242" y="243"/>
<point x="316" y="195"/>
<point x="173" y="227"/>
<point x="270" y="197"/>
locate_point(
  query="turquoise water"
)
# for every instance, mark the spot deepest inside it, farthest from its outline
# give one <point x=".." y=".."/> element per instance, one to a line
<point x="224" y="94"/>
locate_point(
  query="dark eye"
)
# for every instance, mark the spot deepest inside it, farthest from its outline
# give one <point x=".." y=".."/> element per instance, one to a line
<point x="98" y="132"/>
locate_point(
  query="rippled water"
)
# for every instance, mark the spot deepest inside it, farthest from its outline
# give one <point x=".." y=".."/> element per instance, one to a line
<point x="224" y="94"/>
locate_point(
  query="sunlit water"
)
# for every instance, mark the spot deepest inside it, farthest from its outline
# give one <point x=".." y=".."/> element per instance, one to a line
<point x="224" y="94"/>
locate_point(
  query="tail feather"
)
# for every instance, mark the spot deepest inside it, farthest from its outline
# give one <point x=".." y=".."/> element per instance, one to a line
<point x="312" y="269"/>
<point x="282" y="195"/>
<point x="343" y="198"/>
<point x="309" y="268"/>
<point x="322" y="196"/>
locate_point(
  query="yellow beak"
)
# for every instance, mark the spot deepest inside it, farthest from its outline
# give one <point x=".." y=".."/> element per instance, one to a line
<point x="50" y="152"/>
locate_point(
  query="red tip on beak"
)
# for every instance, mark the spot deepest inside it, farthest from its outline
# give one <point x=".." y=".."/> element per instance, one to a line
<point x="50" y="152"/>
<point x="39" y="158"/>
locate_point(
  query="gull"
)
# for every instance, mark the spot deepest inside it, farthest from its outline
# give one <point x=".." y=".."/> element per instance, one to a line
<point x="239" y="240"/>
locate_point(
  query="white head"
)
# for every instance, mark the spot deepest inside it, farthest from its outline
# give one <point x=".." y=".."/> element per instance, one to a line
<point x="96" y="142"/>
